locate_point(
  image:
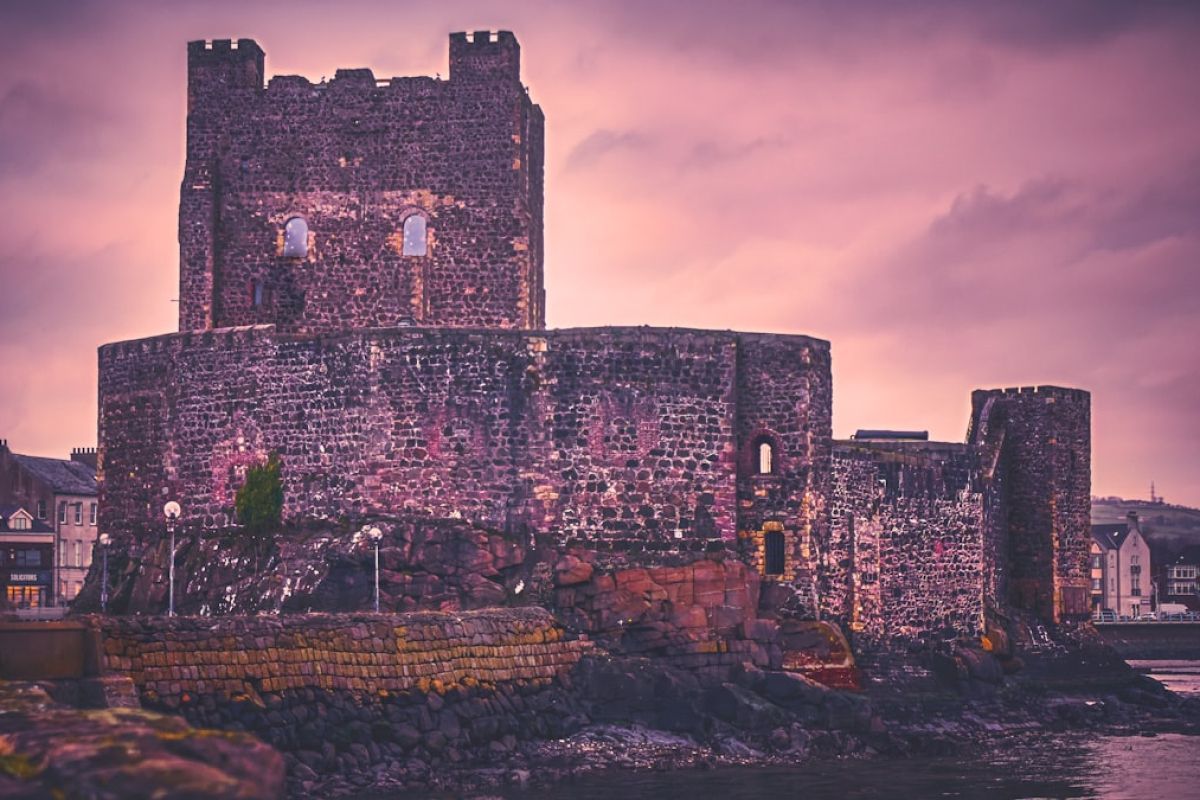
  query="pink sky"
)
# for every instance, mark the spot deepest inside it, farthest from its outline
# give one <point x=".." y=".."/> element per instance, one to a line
<point x="957" y="195"/>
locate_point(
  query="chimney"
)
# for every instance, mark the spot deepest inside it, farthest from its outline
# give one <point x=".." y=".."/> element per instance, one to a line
<point x="84" y="455"/>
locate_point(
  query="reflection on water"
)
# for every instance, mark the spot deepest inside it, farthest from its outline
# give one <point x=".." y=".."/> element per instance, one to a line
<point x="1111" y="768"/>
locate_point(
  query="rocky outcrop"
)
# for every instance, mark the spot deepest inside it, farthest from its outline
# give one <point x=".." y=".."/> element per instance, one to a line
<point x="51" y="750"/>
<point x="440" y="564"/>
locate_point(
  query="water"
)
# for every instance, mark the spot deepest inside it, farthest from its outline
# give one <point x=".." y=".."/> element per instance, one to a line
<point x="1165" y="767"/>
<point x="1178" y="676"/>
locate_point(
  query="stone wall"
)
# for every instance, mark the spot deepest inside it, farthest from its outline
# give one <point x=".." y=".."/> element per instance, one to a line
<point x="343" y="692"/>
<point x="232" y="657"/>
<point x="626" y="441"/>
<point x="354" y="157"/>
<point x="907" y="556"/>
<point x="701" y="617"/>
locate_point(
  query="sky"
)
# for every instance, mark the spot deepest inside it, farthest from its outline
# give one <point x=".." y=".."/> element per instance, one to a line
<point x="956" y="195"/>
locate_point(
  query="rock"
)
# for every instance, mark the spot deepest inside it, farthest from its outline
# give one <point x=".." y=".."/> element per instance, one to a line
<point x="570" y="571"/>
<point x="125" y="752"/>
<point x="743" y="708"/>
<point x="980" y="665"/>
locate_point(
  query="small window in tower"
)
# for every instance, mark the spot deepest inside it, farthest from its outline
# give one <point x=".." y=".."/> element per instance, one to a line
<point x="766" y="458"/>
<point x="257" y="293"/>
<point x="295" y="238"/>
<point x="414" y="236"/>
<point x="775" y="560"/>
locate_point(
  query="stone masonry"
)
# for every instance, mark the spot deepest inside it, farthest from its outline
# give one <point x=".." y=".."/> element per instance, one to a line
<point x="354" y="158"/>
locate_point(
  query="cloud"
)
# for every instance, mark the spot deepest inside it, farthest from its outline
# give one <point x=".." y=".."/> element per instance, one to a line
<point x="37" y="124"/>
<point x="603" y="142"/>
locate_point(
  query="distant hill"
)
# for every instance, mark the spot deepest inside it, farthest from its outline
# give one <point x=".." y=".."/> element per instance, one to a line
<point x="1167" y="528"/>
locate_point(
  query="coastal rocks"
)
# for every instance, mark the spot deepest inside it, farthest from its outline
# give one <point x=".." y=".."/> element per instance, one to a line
<point x="51" y="750"/>
<point x="440" y="564"/>
<point x="570" y="571"/>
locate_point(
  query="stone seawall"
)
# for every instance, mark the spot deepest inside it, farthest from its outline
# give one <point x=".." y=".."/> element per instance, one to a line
<point x="244" y="657"/>
<point x="348" y="693"/>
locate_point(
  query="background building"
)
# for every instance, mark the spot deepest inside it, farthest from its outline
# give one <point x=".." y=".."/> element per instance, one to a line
<point x="1180" y="582"/>
<point x="61" y="494"/>
<point x="26" y="559"/>
<point x="1126" y="586"/>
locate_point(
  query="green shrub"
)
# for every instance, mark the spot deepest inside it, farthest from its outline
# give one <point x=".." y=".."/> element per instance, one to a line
<point x="259" y="502"/>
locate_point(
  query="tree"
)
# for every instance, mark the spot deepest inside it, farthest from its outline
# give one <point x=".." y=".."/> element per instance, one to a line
<point x="259" y="503"/>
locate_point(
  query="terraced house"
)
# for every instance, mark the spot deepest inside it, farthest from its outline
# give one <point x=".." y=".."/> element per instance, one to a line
<point x="59" y="493"/>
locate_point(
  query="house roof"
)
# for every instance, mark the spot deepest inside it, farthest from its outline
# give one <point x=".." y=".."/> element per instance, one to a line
<point x="60" y="474"/>
<point x="35" y="526"/>
<point x="1111" y="537"/>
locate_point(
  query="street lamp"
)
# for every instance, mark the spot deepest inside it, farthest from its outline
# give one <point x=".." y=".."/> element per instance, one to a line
<point x="375" y="534"/>
<point x="104" y="540"/>
<point x="171" y="511"/>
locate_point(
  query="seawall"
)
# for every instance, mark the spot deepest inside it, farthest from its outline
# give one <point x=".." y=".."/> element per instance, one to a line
<point x="1153" y="640"/>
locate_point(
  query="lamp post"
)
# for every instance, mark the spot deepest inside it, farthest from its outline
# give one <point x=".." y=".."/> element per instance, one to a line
<point x="375" y="534"/>
<point x="171" y="511"/>
<point x="104" y="540"/>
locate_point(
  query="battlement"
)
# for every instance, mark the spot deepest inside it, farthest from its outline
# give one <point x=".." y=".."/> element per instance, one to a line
<point x="225" y="64"/>
<point x="484" y="55"/>
<point x="1028" y="392"/>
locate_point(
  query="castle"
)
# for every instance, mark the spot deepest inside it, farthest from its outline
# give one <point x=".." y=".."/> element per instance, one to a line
<point x="361" y="291"/>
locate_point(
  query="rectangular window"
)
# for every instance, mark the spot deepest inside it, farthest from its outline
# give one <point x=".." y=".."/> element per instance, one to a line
<point x="78" y="553"/>
<point x="1096" y="585"/>
<point x="62" y="512"/>
<point x="1096" y="563"/>
<point x="41" y="509"/>
<point x="79" y="513"/>
<point x="92" y="515"/>
<point x="774" y="556"/>
<point x="29" y="558"/>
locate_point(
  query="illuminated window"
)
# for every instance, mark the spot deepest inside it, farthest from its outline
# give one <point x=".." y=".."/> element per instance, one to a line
<point x="295" y="238"/>
<point x="765" y="459"/>
<point x="414" y="236"/>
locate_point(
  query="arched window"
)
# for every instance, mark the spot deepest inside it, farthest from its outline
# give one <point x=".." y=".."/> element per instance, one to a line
<point x="414" y="236"/>
<point x="295" y="238"/>
<point x="765" y="457"/>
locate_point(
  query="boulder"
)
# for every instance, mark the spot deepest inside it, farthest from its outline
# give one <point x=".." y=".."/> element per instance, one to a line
<point x="57" y="751"/>
<point x="570" y="571"/>
<point x="743" y="708"/>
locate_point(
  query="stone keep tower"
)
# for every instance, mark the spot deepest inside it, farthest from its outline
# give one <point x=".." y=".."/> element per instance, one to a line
<point x="361" y="202"/>
<point x="1039" y="439"/>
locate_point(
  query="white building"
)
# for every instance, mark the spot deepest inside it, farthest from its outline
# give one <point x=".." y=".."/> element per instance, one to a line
<point x="1121" y="564"/>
